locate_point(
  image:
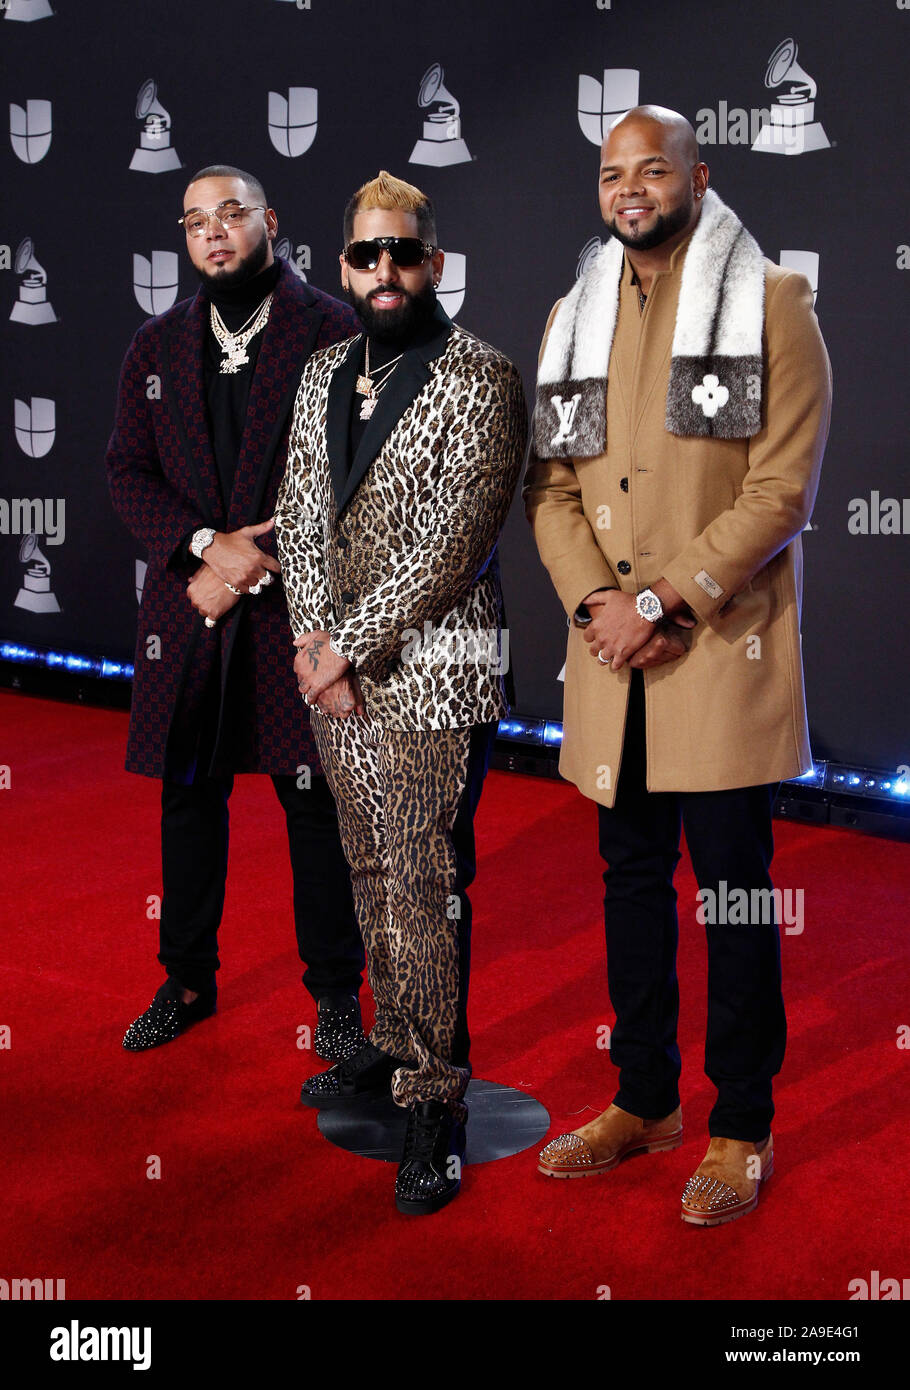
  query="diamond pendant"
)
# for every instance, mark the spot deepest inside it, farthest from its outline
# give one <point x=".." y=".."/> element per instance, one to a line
<point x="368" y="406"/>
<point x="236" y="359"/>
<point x="364" y="385"/>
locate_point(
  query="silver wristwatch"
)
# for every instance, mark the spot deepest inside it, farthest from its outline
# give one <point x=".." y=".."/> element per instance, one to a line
<point x="201" y="538"/>
<point x="649" y="606"/>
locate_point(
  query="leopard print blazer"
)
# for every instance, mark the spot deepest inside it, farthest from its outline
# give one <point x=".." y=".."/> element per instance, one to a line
<point x="406" y="576"/>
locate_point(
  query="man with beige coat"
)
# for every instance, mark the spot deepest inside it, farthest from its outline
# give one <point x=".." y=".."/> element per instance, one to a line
<point x="682" y="410"/>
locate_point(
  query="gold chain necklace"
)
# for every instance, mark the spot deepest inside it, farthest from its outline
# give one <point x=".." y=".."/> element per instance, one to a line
<point x="234" y="345"/>
<point x="369" y="384"/>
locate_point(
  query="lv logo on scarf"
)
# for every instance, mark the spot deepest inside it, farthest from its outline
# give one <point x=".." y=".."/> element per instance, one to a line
<point x="566" y="412"/>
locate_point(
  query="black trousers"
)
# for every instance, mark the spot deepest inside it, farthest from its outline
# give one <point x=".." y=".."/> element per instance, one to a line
<point x="483" y="736"/>
<point x="730" y="841"/>
<point x="194" y="857"/>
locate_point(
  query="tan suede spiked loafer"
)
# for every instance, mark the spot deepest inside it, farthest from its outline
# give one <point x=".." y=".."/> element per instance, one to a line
<point x="726" y="1185"/>
<point x="599" y="1146"/>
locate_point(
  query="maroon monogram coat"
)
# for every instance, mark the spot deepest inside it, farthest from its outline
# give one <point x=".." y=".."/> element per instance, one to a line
<point x="164" y="484"/>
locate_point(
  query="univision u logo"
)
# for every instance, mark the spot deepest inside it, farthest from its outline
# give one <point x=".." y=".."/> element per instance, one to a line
<point x="155" y="281"/>
<point x="293" y="120"/>
<point x="30" y="130"/>
<point x="35" y="425"/>
<point x="600" y="103"/>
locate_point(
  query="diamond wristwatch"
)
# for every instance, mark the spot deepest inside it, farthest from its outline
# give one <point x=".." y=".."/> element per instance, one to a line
<point x="201" y="538"/>
<point x="649" y="606"/>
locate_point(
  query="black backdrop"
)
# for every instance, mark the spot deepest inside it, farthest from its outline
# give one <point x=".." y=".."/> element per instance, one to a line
<point x="519" y="204"/>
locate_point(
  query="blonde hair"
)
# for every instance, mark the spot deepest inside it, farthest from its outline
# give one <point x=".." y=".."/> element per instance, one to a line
<point x="391" y="194"/>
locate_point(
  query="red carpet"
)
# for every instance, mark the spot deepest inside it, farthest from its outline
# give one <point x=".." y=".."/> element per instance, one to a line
<point x="252" y="1202"/>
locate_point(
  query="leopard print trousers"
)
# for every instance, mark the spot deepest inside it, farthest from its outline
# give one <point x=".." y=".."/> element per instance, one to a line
<point x="398" y="794"/>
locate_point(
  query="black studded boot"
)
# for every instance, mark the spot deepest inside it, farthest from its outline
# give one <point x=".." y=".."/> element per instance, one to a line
<point x="339" y="1031"/>
<point x="167" y="1016"/>
<point x="368" y="1073"/>
<point x="429" y="1175"/>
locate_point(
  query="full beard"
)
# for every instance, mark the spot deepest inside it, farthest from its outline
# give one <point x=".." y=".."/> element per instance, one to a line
<point x="240" y="272"/>
<point x="664" y="228"/>
<point x="394" y="326"/>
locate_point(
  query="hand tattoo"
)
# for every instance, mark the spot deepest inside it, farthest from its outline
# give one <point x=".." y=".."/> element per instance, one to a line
<point x="312" y="650"/>
<point x="339" y="702"/>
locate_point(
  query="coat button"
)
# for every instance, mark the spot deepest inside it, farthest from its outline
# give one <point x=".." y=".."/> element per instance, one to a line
<point x="341" y="542"/>
<point x="624" y="484"/>
<point x="347" y="596"/>
<point x="624" y="568"/>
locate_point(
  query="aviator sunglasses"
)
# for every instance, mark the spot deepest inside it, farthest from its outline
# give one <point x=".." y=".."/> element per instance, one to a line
<point x="405" y="251"/>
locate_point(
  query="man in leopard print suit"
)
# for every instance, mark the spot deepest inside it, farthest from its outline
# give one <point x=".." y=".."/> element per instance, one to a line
<point x="404" y="454"/>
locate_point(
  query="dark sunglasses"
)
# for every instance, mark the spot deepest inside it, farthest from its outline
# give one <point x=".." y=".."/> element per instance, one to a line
<point x="405" y="251"/>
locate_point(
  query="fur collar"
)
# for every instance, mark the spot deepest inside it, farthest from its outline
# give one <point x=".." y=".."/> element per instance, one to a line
<point x="716" y="369"/>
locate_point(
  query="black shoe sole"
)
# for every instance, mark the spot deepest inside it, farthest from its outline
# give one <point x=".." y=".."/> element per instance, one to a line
<point x="428" y="1205"/>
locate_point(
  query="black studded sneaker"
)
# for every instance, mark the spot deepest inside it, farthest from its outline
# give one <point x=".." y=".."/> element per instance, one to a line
<point x="167" y="1017"/>
<point x="429" y="1175"/>
<point x="367" y="1073"/>
<point x="339" y="1031"/>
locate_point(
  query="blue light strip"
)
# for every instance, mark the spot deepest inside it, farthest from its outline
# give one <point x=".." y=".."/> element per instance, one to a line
<point x="66" y="661"/>
<point x="547" y="733"/>
<point x="521" y="730"/>
<point x="864" y="781"/>
<point x="823" y="775"/>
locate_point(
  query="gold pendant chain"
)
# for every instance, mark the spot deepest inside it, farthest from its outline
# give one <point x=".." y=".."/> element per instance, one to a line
<point x="234" y="345"/>
<point x="370" y="386"/>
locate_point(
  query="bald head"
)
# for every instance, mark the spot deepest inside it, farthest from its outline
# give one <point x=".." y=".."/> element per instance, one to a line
<point x="677" y="134"/>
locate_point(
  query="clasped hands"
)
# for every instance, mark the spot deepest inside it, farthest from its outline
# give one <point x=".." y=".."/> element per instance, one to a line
<point x="616" y="631"/>
<point x="232" y="558"/>
<point x="326" y="679"/>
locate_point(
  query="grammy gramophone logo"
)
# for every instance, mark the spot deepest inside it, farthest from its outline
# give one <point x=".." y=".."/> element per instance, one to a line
<point x="27" y="10"/>
<point x="441" y="143"/>
<point x="36" y="594"/>
<point x="30" y="128"/>
<point x="601" y="103"/>
<point x="293" y="120"/>
<point x="155" y="154"/>
<point x="791" y="127"/>
<point x="33" y="305"/>
<point x="35" y="424"/>
<point x="155" y="280"/>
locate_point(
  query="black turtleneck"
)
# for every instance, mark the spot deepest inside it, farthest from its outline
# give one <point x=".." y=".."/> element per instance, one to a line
<point x="227" y="397"/>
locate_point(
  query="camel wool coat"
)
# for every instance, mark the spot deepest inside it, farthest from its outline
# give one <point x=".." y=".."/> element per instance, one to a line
<point x="721" y="520"/>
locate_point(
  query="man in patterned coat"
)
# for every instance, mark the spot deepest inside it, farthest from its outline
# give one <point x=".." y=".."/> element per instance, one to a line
<point x="194" y="463"/>
<point x="404" y="455"/>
